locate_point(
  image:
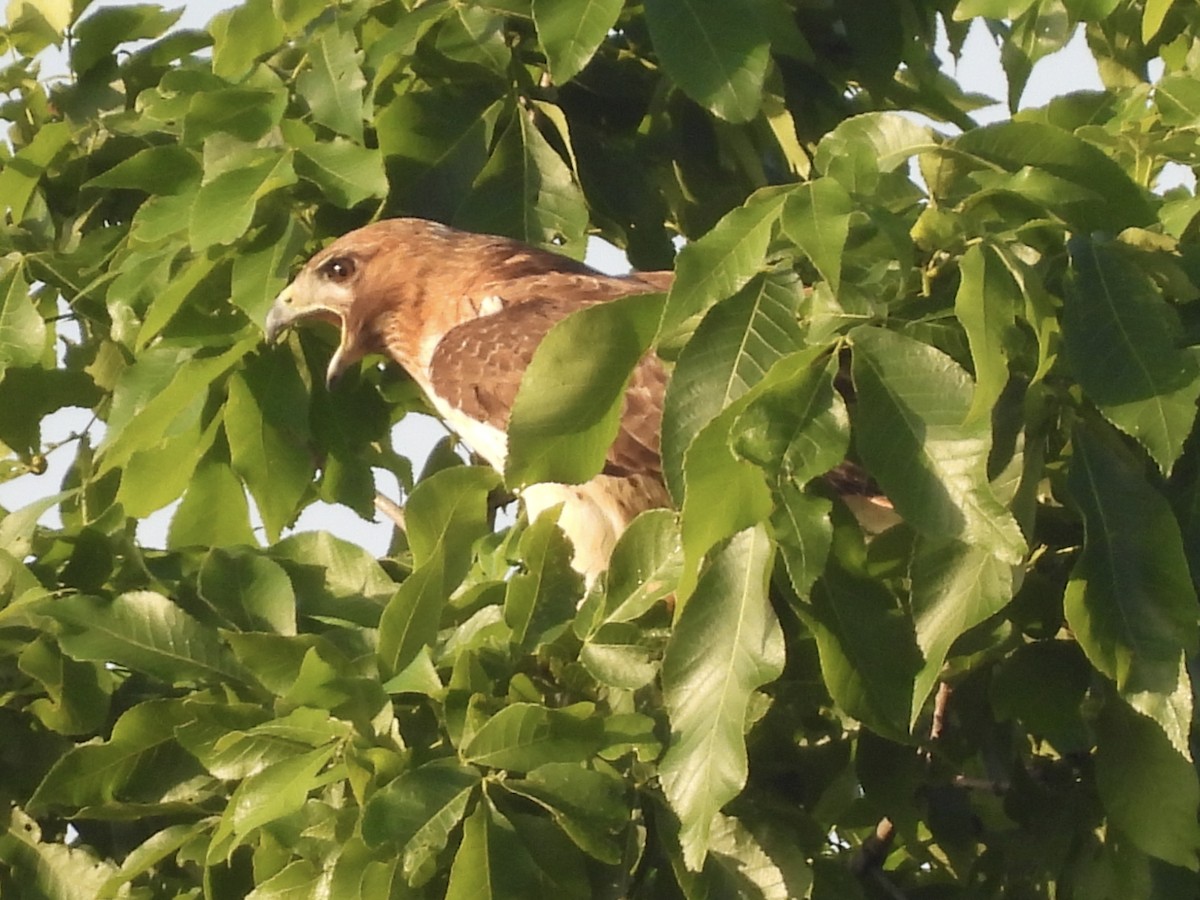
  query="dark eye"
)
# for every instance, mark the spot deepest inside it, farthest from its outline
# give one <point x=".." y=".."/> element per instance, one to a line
<point x="338" y="269"/>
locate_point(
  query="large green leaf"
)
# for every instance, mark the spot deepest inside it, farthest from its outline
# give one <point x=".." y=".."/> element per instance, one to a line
<point x="817" y="218"/>
<point x="333" y="83"/>
<point x="715" y="50"/>
<point x="796" y="429"/>
<point x="526" y="191"/>
<point x="986" y="305"/>
<point x="250" y="589"/>
<point x="571" y="31"/>
<point x="524" y="736"/>
<point x="1149" y="790"/>
<point x="213" y="512"/>
<point x="954" y="588"/>
<point x="1124" y="346"/>
<point x="417" y="812"/>
<point x="140" y="757"/>
<point x="852" y="618"/>
<point x="346" y="172"/>
<point x="241" y="35"/>
<point x="911" y="431"/>
<point x="447" y="514"/>
<point x="22" y="331"/>
<point x="266" y="423"/>
<point x="1117" y="200"/>
<point x="277" y="791"/>
<point x="540" y="600"/>
<point x="721" y="262"/>
<point x="48" y="868"/>
<point x="20" y="175"/>
<point x="736" y="343"/>
<point x="1131" y="601"/>
<point x="589" y="805"/>
<point x="224" y="206"/>
<point x="727" y="643"/>
<point x="494" y="862"/>
<point x="568" y="409"/>
<point x="143" y="631"/>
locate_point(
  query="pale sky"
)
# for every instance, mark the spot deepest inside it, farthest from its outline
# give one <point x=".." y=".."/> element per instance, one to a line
<point x="1071" y="69"/>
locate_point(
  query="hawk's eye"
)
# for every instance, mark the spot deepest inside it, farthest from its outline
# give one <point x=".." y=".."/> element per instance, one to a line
<point x="338" y="269"/>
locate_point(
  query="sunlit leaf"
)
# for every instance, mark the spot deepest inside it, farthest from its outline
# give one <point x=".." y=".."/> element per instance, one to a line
<point x="1125" y="348"/>
<point x="715" y="50"/>
<point x="726" y="644"/>
<point x="911" y="431"/>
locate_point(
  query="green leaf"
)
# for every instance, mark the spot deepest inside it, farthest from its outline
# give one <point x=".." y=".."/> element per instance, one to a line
<point x="1148" y="789"/>
<point x="266" y="422"/>
<point x="417" y="813"/>
<point x="140" y="757"/>
<point x="727" y="643"/>
<point x="568" y="408"/>
<point x="714" y="50"/>
<point x="954" y="588"/>
<point x="1124" y="345"/>
<point x="95" y="37"/>
<point x="796" y="429"/>
<point x="1012" y="146"/>
<point x="851" y="618"/>
<point x="345" y="172"/>
<point x="21" y="173"/>
<point x="571" y="32"/>
<point x="1044" y="684"/>
<point x="540" y="599"/>
<point x="158" y="475"/>
<point x="526" y="191"/>
<point x="911" y="432"/>
<point x="250" y="589"/>
<point x="447" y="513"/>
<point x="643" y="569"/>
<point x="169" y="169"/>
<point x="721" y="262"/>
<point x="738" y="340"/>
<point x="816" y="217"/>
<point x="863" y="147"/>
<point x="1131" y="601"/>
<point x="165" y="305"/>
<point x="143" y="631"/>
<point x="262" y="269"/>
<point x="224" y="206"/>
<point x="523" y="736"/>
<point x="243" y="34"/>
<point x="245" y="113"/>
<point x="77" y="694"/>
<point x="986" y="305"/>
<point x="725" y="494"/>
<point x="333" y="83"/>
<point x="213" y="512"/>
<point x="22" y="331"/>
<point x="49" y="868"/>
<point x="493" y="862"/>
<point x="277" y="791"/>
<point x="590" y="806"/>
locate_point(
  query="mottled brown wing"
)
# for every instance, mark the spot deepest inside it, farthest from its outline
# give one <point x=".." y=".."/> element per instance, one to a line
<point x="478" y="366"/>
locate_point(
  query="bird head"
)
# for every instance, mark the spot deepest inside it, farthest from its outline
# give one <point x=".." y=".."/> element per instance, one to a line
<point x="325" y="291"/>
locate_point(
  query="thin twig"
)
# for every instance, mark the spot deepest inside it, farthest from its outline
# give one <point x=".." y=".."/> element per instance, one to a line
<point x="392" y="510"/>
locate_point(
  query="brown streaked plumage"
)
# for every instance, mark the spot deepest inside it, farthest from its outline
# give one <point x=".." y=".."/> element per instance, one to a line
<point x="463" y="313"/>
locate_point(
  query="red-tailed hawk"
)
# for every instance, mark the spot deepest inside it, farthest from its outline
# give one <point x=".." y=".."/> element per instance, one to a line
<point x="463" y="313"/>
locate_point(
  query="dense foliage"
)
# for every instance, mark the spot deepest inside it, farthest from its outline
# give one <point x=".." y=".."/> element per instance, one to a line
<point x="760" y="699"/>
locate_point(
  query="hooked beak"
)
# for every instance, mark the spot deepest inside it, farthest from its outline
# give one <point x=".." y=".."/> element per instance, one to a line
<point x="280" y="316"/>
<point x="284" y="313"/>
